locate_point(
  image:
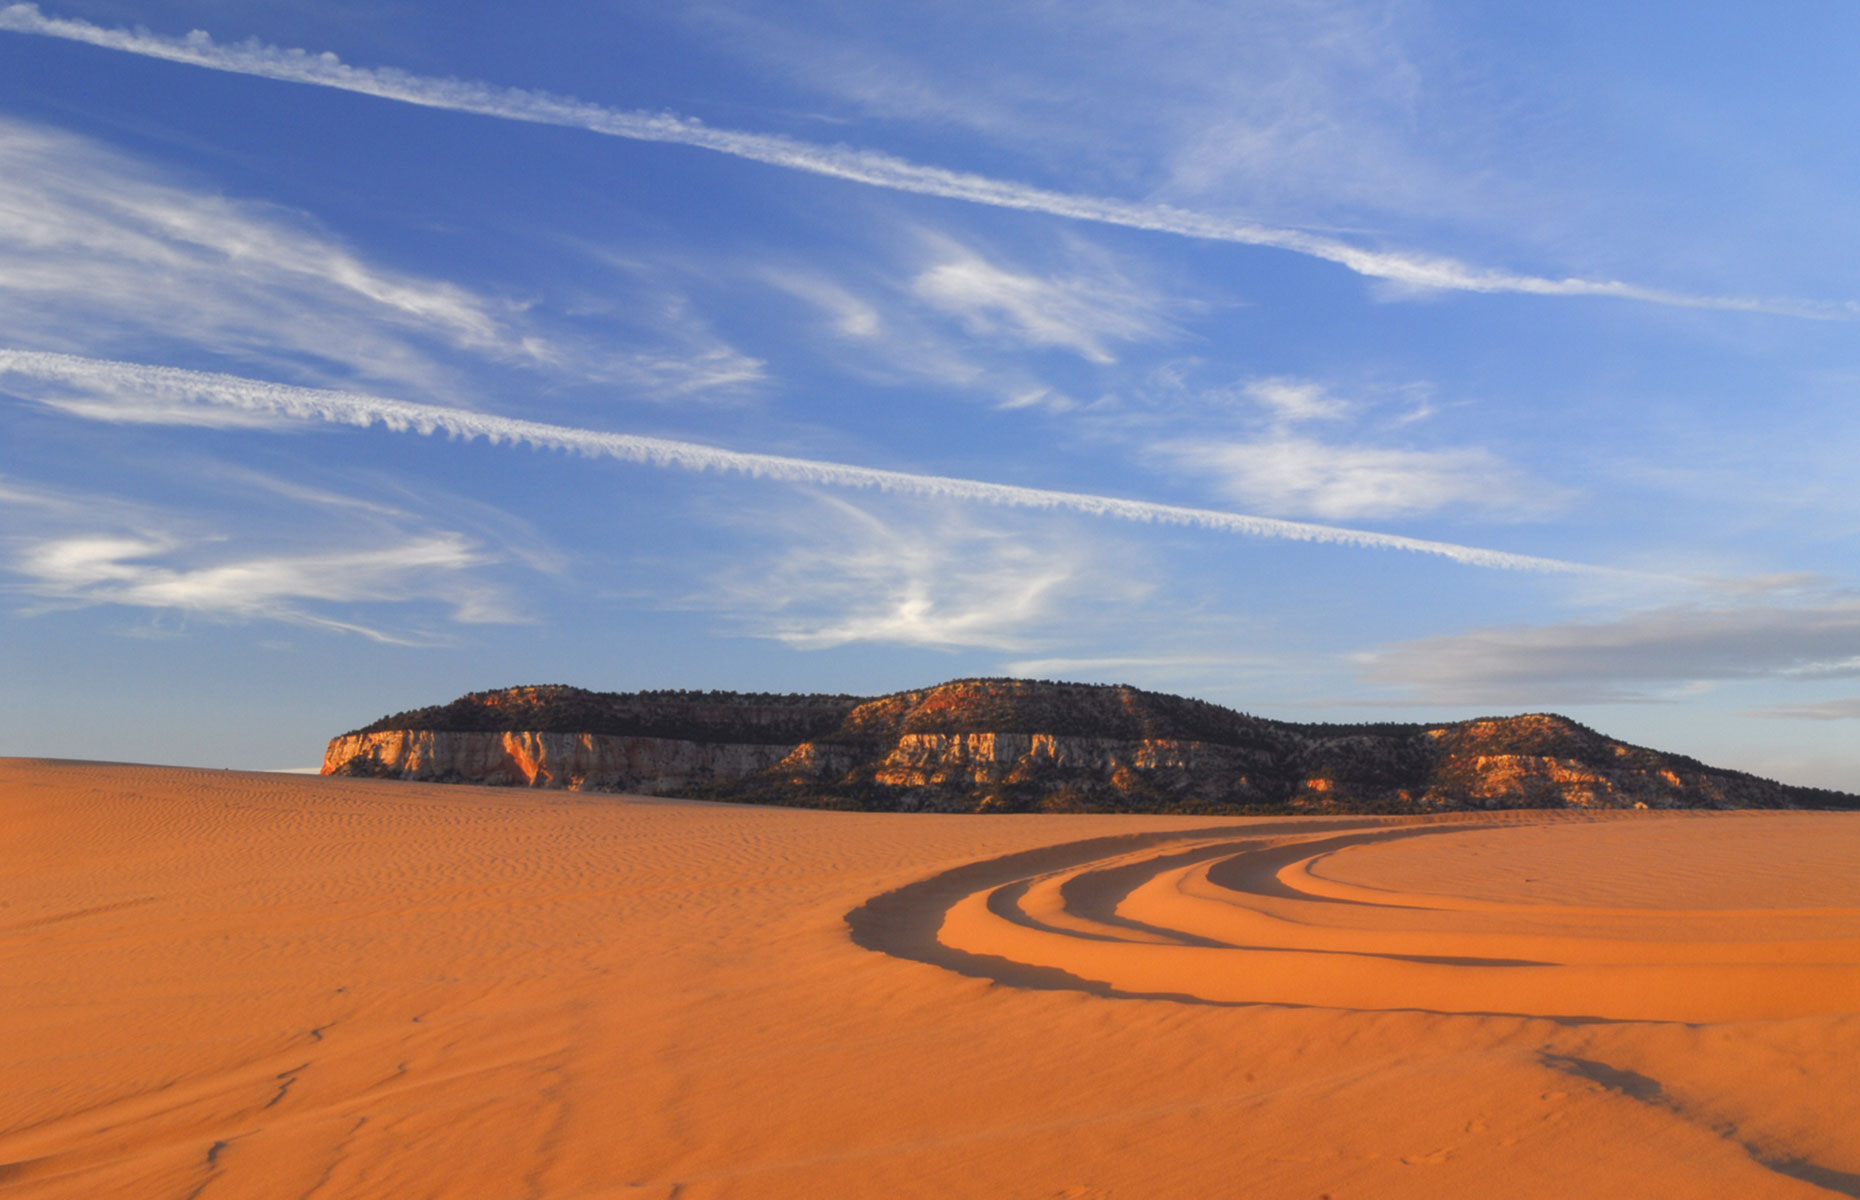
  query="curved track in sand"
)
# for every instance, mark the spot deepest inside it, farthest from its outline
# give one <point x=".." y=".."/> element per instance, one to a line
<point x="1301" y="914"/>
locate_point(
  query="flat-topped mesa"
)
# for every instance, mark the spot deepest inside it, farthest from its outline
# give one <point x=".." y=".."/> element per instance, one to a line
<point x="1000" y="745"/>
<point x="694" y="716"/>
<point x="664" y="743"/>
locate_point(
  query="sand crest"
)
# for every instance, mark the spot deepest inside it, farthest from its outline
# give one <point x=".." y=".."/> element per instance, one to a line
<point x="230" y="984"/>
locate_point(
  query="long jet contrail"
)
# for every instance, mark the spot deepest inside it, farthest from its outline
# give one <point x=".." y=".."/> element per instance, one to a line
<point x="862" y="166"/>
<point x="174" y="386"/>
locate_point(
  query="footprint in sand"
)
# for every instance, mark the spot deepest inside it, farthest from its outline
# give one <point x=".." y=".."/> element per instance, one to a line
<point x="1434" y="1159"/>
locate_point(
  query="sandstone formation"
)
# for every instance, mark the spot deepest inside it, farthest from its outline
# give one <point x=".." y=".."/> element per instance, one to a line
<point x="527" y="758"/>
<point x="1007" y="745"/>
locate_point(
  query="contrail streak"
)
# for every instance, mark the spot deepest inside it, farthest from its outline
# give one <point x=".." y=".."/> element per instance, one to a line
<point x="861" y="166"/>
<point x="172" y="387"/>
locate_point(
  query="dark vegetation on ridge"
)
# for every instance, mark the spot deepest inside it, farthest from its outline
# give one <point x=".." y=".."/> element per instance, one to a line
<point x="980" y="705"/>
<point x="673" y="713"/>
<point x="995" y="745"/>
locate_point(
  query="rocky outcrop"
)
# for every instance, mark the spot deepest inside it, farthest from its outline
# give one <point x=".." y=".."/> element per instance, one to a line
<point x="932" y="768"/>
<point x="580" y="761"/>
<point x="1546" y="761"/>
<point x="1019" y="745"/>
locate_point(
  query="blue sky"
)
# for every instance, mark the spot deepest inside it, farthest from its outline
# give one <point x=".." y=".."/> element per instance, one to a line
<point x="1331" y="361"/>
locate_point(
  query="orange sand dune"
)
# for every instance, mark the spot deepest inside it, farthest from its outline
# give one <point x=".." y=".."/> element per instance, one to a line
<point x="240" y="985"/>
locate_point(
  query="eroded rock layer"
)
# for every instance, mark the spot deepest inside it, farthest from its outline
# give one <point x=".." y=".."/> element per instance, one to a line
<point x="582" y="761"/>
<point x="1022" y="745"/>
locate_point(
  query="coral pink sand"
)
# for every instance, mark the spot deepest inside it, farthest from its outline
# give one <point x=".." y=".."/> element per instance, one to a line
<point x="221" y="984"/>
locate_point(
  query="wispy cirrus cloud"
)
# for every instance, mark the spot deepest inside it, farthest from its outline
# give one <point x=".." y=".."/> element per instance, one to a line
<point x="99" y="249"/>
<point x="1258" y="443"/>
<point x="14" y="493"/>
<point x="96" y="241"/>
<point x="851" y="315"/>
<point x="930" y="309"/>
<point x="1164" y="668"/>
<point x="1078" y="312"/>
<point x="1294" y="400"/>
<point x="1638" y="656"/>
<point x="1302" y="476"/>
<point x="1276" y="103"/>
<point x="1404" y="268"/>
<point x="844" y="574"/>
<point x="391" y="563"/>
<point x="640" y="328"/>
<point x="166" y="572"/>
<point x="711" y="369"/>
<point x="103" y="390"/>
<point x="1820" y="710"/>
<point x="875" y="338"/>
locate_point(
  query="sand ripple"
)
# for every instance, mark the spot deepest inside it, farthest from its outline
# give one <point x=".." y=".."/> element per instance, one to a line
<point x="218" y="984"/>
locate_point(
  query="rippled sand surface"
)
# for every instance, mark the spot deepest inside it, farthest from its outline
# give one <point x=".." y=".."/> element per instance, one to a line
<point x="241" y="985"/>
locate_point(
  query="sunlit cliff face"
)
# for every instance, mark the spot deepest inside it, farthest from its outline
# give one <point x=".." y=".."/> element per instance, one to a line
<point x="1018" y="745"/>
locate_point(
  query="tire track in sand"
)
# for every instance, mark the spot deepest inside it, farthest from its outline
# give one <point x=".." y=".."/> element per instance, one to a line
<point x="1236" y="915"/>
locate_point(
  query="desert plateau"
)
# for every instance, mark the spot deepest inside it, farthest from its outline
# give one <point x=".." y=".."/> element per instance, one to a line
<point x="221" y="983"/>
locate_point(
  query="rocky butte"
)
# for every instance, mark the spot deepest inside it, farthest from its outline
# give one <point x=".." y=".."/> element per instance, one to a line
<point x="1011" y="745"/>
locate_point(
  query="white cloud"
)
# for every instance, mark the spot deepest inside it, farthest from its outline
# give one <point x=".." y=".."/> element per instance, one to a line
<point x="1295" y="400"/>
<point x="164" y="572"/>
<point x="1168" y="666"/>
<point x="95" y="241"/>
<point x="714" y="369"/>
<point x="1295" y="107"/>
<point x="849" y="316"/>
<point x="1187" y="397"/>
<point x="1315" y="106"/>
<point x="1295" y="475"/>
<point x="908" y="85"/>
<point x="845" y="575"/>
<point x="98" y="249"/>
<point x="145" y="390"/>
<point x="882" y="333"/>
<point x="1077" y="313"/>
<point x="642" y="331"/>
<point x="1409" y="269"/>
<point x="1820" y="710"/>
<point x="1641" y="655"/>
<point x="299" y="553"/>
<point x="880" y="336"/>
<point x="1038" y="396"/>
<point x="13" y="493"/>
